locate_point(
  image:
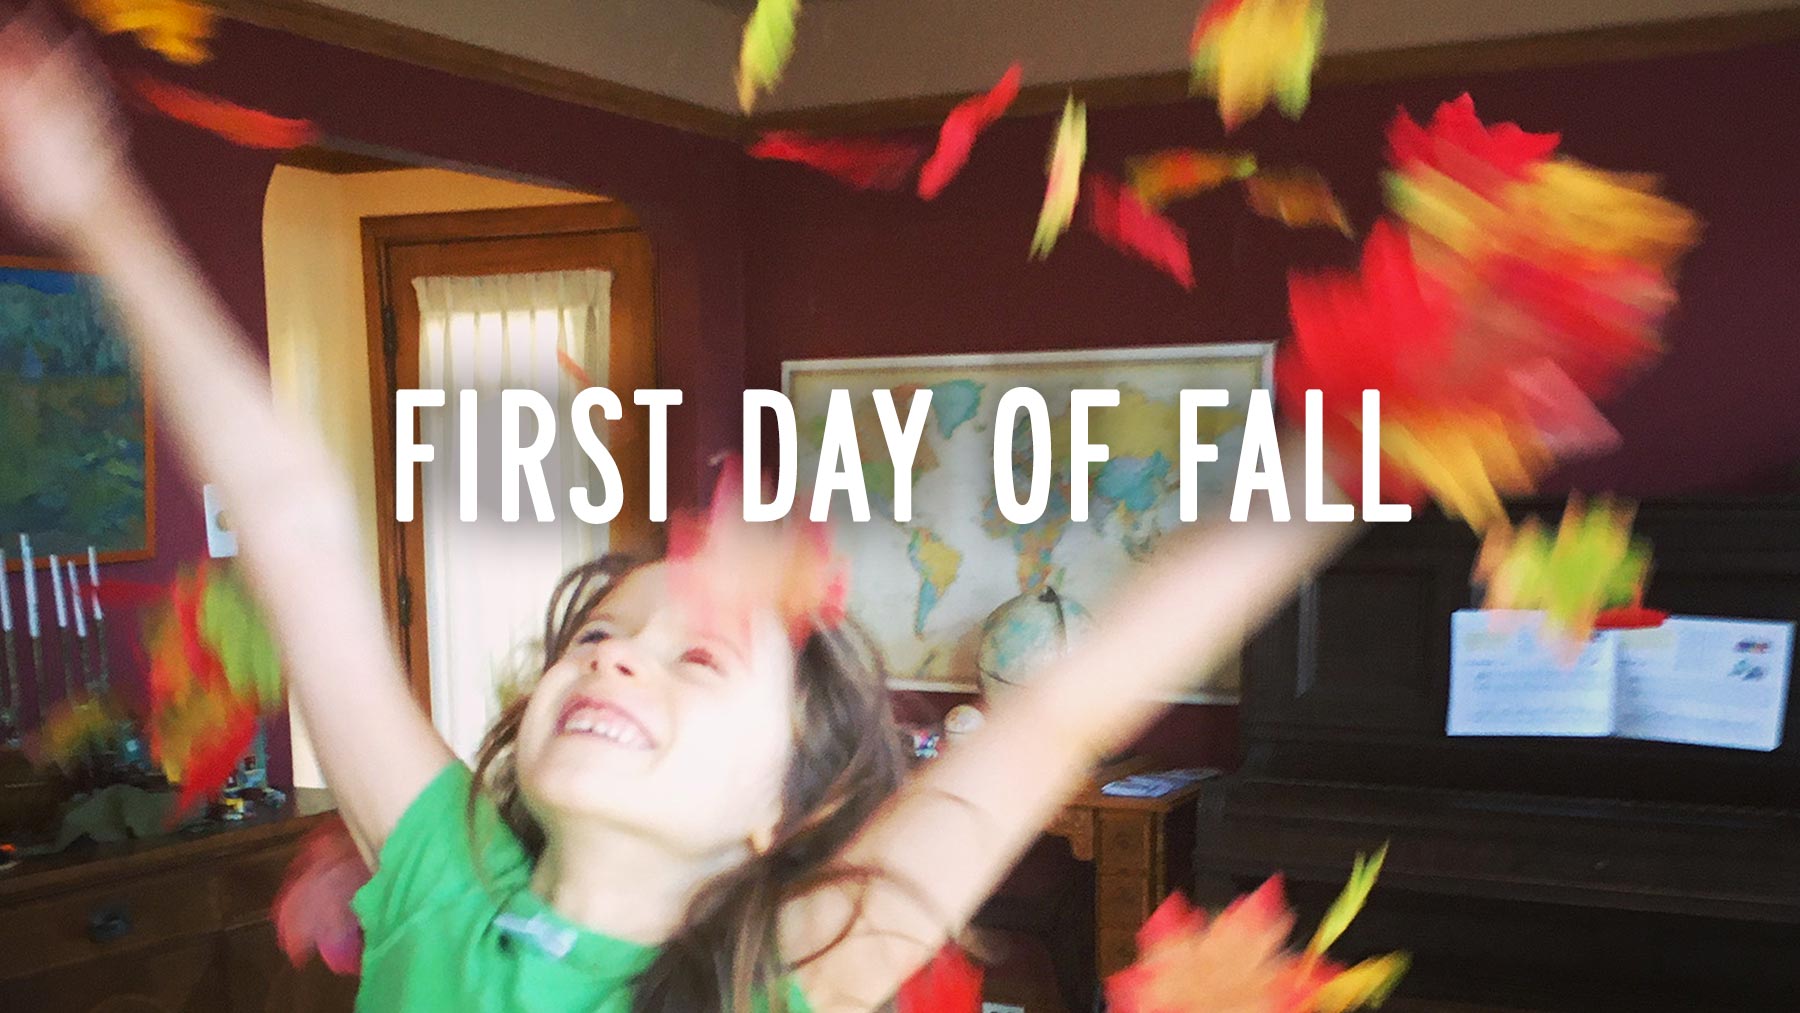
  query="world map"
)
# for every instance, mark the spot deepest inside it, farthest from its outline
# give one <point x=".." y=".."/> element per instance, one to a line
<point x="922" y="587"/>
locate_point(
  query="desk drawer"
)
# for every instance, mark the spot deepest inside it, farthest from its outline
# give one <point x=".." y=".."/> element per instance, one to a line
<point x="1127" y="841"/>
<point x="100" y="921"/>
<point x="1121" y="901"/>
<point x="1115" y="950"/>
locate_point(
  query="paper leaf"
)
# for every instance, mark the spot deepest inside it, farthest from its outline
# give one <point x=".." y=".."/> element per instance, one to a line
<point x="312" y="911"/>
<point x="949" y="984"/>
<point x="1118" y="217"/>
<point x="1298" y="198"/>
<point x="1367" y="984"/>
<point x="176" y="29"/>
<point x="956" y="138"/>
<point x="1349" y="903"/>
<point x="1249" y="53"/>
<point x="1064" y="187"/>
<point x="1591" y="564"/>
<point x="864" y="163"/>
<point x="730" y="570"/>
<point x="768" y="44"/>
<point x="241" y="125"/>
<point x="1165" y="176"/>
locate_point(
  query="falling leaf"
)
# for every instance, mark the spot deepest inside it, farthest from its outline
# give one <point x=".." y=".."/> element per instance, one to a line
<point x="176" y="29"/>
<point x="1349" y="903"/>
<point x="1118" y="217"/>
<point x="951" y="983"/>
<point x="1248" y="53"/>
<point x="864" y="163"/>
<point x="1592" y="564"/>
<point x="768" y="44"/>
<point x="1298" y="198"/>
<point x="730" y="569"/>
<point x="956" y="138"/>
<point x="312" y="910"/>
<point x="1170" y="175"/>
<point x="241" y="125"/>
<point x="1064" y="187"/>
<point x="1238" y="961"/>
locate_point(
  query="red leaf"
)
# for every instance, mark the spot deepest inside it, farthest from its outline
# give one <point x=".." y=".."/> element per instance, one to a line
<point x="215" y="756"/>
<point x="961" y="127"/>
<point x="312" y="911"/>
<point x="1116" y="215"/>
<point x="949" y="984"/>
<point x="864" y="163"/>
<point x="241" y="125"/>
<point x="1630" y="617"/>
<point x="1460" y="146"/>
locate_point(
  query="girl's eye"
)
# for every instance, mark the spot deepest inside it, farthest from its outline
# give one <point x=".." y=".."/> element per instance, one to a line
<point x="592" y="635"/>
<point x="702" y="657"/>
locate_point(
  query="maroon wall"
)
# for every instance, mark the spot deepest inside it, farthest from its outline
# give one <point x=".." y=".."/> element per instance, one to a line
<point x="771" y="263"/>
<point x="686" y="189"/>
<point x="837" y="273"/>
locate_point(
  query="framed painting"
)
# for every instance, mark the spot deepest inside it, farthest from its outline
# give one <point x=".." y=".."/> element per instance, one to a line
<point x="77" y="453"/>
<point x="924" y="587"/>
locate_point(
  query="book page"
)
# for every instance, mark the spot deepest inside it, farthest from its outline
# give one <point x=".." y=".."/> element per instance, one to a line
<point x="1505" y="679"/>
<point x="1707" y="682"/>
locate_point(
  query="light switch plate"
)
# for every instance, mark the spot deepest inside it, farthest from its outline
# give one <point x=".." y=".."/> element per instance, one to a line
<point x="220" y="542"/>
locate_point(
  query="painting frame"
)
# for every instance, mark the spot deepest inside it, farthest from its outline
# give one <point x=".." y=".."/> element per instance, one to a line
<point x="139" y="553"/>
<point x="798" y="375"/>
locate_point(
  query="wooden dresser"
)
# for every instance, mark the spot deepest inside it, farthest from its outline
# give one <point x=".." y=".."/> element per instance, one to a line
<point x="166" y="926"/>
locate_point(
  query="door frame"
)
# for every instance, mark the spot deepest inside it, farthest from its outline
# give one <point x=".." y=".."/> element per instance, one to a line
<point x="403" y="571"/>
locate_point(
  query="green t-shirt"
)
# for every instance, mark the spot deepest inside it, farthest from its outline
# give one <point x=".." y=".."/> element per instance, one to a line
<point x="442" y="934"/>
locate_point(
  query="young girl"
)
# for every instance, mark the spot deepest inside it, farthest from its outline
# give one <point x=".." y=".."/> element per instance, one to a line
<point x="682" y="815"/>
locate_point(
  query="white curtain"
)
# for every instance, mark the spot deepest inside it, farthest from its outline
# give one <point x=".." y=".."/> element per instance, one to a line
<point x="487" y="582"/>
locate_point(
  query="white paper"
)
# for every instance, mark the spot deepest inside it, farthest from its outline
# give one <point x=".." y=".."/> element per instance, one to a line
<point x="1506" y="680"/>
<point x="1710" y="682"/>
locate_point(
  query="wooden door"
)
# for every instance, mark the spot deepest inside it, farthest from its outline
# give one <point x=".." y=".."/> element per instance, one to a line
<point x="599" y="235"/>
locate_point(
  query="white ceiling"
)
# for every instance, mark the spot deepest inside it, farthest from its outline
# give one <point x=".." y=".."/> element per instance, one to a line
<point x="852" y="51"/>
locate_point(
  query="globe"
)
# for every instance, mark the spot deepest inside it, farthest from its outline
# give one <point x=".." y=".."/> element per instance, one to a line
<point x="1022" y="635"/>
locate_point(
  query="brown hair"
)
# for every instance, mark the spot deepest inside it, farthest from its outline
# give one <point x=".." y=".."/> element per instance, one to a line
<point x="847" y="761"/>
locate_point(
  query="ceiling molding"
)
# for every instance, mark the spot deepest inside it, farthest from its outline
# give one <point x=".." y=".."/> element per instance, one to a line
<point x="1535" y="52"/>
<point x="410" y="45"/>
<point x="315" y="21"/>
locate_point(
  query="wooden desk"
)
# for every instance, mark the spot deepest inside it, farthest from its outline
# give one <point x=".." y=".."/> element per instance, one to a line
<point x="1142" y="849"/>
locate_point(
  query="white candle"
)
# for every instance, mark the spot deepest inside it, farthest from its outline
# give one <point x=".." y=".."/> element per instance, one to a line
<point x="94" y="581"/>
<point x="75" y="601"/>
<point x="29" y="570"/>
<point x="62" y="614"/>
<point x="5" y="597"/>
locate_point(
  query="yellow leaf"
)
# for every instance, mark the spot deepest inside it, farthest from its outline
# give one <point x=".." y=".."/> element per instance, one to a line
<point x="1367" y="984"/>
<point x="1343" y="910"/>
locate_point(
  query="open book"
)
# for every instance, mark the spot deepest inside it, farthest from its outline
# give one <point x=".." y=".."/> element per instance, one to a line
<point x="1709" y="682"/>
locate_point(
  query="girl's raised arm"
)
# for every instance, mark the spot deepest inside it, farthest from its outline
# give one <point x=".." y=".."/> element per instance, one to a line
<point x="948" y="838"/>
<point x="64" y="171"/>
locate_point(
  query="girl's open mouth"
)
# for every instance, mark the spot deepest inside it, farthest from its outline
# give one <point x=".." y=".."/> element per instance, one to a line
<point x="602" y="719"/>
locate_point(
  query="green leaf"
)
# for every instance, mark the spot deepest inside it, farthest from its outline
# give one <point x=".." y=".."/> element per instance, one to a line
<point x="1344" y="910"/>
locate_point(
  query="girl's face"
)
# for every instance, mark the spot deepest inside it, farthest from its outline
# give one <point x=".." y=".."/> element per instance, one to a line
<point x="653" y="724"/>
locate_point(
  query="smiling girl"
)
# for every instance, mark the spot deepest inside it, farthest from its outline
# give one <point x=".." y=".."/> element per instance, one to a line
<point x="684" y="814"/>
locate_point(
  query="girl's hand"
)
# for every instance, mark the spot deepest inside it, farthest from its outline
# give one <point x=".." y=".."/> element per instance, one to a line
<point x="61" y="152"/>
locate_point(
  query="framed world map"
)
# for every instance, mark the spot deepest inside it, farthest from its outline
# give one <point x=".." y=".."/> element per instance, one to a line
<point x="923" y="587"/>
